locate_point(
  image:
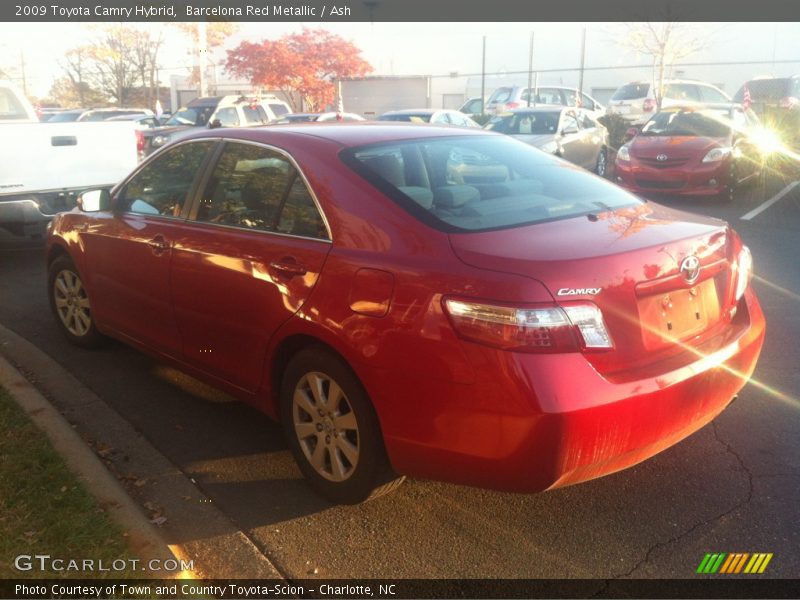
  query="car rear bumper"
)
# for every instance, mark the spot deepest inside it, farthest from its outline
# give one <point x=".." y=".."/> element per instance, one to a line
<point x="552" y="420"/>
<point x="703" y="180"/>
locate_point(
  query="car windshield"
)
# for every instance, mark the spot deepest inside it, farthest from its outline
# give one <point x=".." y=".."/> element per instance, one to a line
<point x="410" y="117"/>
<point x="501" y="95"/>
<point x="631" y="91"/>
<point x="482" y="183"/>
<point x="527" y="123"/>
<point x="194" y="117"/>
<point x="714" y="124"/>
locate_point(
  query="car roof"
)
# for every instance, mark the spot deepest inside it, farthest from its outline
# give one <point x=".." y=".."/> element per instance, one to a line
<point x="705" y="106"/>
<point x="417" y="111"/>
<point x="349" y="134"/>
<point x="539" y="108"/>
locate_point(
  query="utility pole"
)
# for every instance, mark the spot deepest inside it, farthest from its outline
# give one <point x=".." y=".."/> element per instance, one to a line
<point x="530" y="70"/>
<point x="202" y="51"/>
<point x="22" y="68"/>
<point x="583" y="62"/>
<point x="483" y="78"/>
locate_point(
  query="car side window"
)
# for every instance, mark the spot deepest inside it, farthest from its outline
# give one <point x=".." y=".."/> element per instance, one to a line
<point x="587" y="121"/>
<point x="299" y="215"/>
<point x="228" y="117"/>
<point x="251" y="115"/>
<point x="682" y="91"/>
<point x="569" y="121"/>
<point x="162" y="186"/>
<point x="709" y="94"/>
<point x="257" y="188"/>
<point x="262" y="114"/>
<point x="570" y="97"/>
<point x="587" y="102"/>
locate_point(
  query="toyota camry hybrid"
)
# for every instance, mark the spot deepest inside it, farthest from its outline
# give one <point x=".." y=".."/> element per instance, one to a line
<point x="416" y="300"/>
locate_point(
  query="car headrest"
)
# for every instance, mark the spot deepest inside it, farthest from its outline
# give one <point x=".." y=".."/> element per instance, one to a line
<point x="453" y="196"/>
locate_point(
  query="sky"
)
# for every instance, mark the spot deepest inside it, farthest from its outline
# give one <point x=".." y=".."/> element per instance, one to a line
<point x="423" y="48"/>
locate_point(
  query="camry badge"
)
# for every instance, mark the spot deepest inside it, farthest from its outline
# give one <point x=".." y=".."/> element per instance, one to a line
<point x="578" y="291"/>
<point x="690" y="268"/>
<point x="661" y="157"/>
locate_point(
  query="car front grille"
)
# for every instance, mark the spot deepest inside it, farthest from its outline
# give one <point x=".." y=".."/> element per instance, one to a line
<point x="663" y="164"/>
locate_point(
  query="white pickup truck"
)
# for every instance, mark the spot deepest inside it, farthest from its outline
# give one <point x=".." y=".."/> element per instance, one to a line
<point x="44" y="166"/>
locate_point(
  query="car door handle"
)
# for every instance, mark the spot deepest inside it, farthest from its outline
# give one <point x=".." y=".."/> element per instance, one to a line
<point x="287" y="267"/>
<point x="159" y="244"/>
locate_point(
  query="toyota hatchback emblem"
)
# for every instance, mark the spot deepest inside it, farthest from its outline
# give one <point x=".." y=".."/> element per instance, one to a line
<point x="690" y="268"/>
<point x="661" y="157"/>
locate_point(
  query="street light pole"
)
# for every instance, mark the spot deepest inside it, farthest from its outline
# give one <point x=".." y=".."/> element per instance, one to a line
<point x="483" y="78"/>
<point x="530" y="70"/>
<point x="202" y="50"/>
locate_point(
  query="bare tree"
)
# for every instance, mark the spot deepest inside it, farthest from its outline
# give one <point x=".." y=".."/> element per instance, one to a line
<point x="76" y="65"/>
<point x="146" y="47"/>
<point x="665" y="43"/>
<point x="114" y="69"/>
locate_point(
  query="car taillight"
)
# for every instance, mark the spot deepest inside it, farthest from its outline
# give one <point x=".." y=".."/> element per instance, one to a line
<point x="744" y="271"/>
<point x="547" y="329"/>
<point x="139" y="141"/>
<point x="788" y="102"/>
<point x="513" y="105"/>
<point x="649" y="105"/>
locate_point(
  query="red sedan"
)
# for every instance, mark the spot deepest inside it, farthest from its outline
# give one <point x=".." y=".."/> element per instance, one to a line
<point x="705" y="151"/>
<point x="416" y="300"/>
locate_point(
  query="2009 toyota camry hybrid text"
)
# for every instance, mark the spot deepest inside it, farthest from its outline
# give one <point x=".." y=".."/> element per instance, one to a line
<point x="417" y="300"/>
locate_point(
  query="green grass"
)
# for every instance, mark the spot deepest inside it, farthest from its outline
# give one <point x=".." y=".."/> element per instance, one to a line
<point x="44" y="509"/>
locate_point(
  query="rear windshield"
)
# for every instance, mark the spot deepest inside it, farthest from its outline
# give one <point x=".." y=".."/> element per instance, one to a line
<point x="64" y="117"/>
<point x="482" y="183"/>
<point x="768" y="90"/>
<point x="632" y="91"/>
<point x="535" y="123"/>
<point x="104" y="115"/>
<point x="686" y="123"/>
<point x="501" y="95"/>
<point x="412" y="118"/>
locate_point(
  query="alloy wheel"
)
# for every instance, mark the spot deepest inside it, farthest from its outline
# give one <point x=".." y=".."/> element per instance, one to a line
<point x="326" y="426"/>
<point x="72" y="303"/>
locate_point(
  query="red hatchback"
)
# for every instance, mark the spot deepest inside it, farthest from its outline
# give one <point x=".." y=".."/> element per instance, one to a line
<point x="417" y="300"/>
<point x="704" y="151"/>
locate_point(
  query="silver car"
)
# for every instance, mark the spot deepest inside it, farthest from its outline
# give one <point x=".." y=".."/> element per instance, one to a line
<point x="515" y="96"/>
<point x="572" y="134"/>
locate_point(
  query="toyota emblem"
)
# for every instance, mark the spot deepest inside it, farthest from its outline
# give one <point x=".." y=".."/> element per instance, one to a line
<point x="661" y="157"/>
<point x="690" y="268"/>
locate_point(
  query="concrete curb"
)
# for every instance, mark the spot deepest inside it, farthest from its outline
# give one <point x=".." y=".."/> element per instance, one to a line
<point x="145" y="541"/>
<point x="194" y="529"/>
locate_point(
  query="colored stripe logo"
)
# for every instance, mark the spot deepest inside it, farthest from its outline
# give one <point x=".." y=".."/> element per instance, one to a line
<point x="734" y="563"/>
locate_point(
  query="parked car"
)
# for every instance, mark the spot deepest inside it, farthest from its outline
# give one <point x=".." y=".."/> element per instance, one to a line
<point x="429" y="115"/>
<point x="143" y="123"/>
<point x="636" y="102"/>
<point x="698" y="151"/>
<point x="402" y="313"/>
<point x="216" y="111"/>
<point x="776" y="101"/>
<point x="569" y="133"/>
<point x="43" y="167"/>
<point x="515" y="96"/>
<point x="96" y="114"/>
<point x="319" y="117"/>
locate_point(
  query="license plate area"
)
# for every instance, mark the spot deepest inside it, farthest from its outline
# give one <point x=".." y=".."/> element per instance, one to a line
<point x="674" y="316"/>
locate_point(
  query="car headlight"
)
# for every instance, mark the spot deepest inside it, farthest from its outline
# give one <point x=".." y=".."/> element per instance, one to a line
<point x="160" y="140"/>
<point x="717" y="154"/>
<point x="744" y="271"/>
<point x="549" y="147"/>
<point x="623" y="153"/>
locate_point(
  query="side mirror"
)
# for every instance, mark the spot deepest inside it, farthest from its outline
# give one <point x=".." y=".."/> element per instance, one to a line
<point x="215" y="124"/>
<point x="569" y="130"/>
<point x="94" y="200"/>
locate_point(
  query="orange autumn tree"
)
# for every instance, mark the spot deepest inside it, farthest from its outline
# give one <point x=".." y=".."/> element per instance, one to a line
<point x="302" y="65"/>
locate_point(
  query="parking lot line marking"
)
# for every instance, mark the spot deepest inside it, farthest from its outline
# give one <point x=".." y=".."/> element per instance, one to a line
<point x="758" y="210"/>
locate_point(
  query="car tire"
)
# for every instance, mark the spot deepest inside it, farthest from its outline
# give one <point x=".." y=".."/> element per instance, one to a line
<point x="338" y="448"/>
<point x="70" y="303"/>
<point x="601" y="166"/>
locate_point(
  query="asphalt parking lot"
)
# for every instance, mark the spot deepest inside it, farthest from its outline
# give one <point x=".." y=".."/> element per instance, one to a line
<point x="734" y="486"/>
